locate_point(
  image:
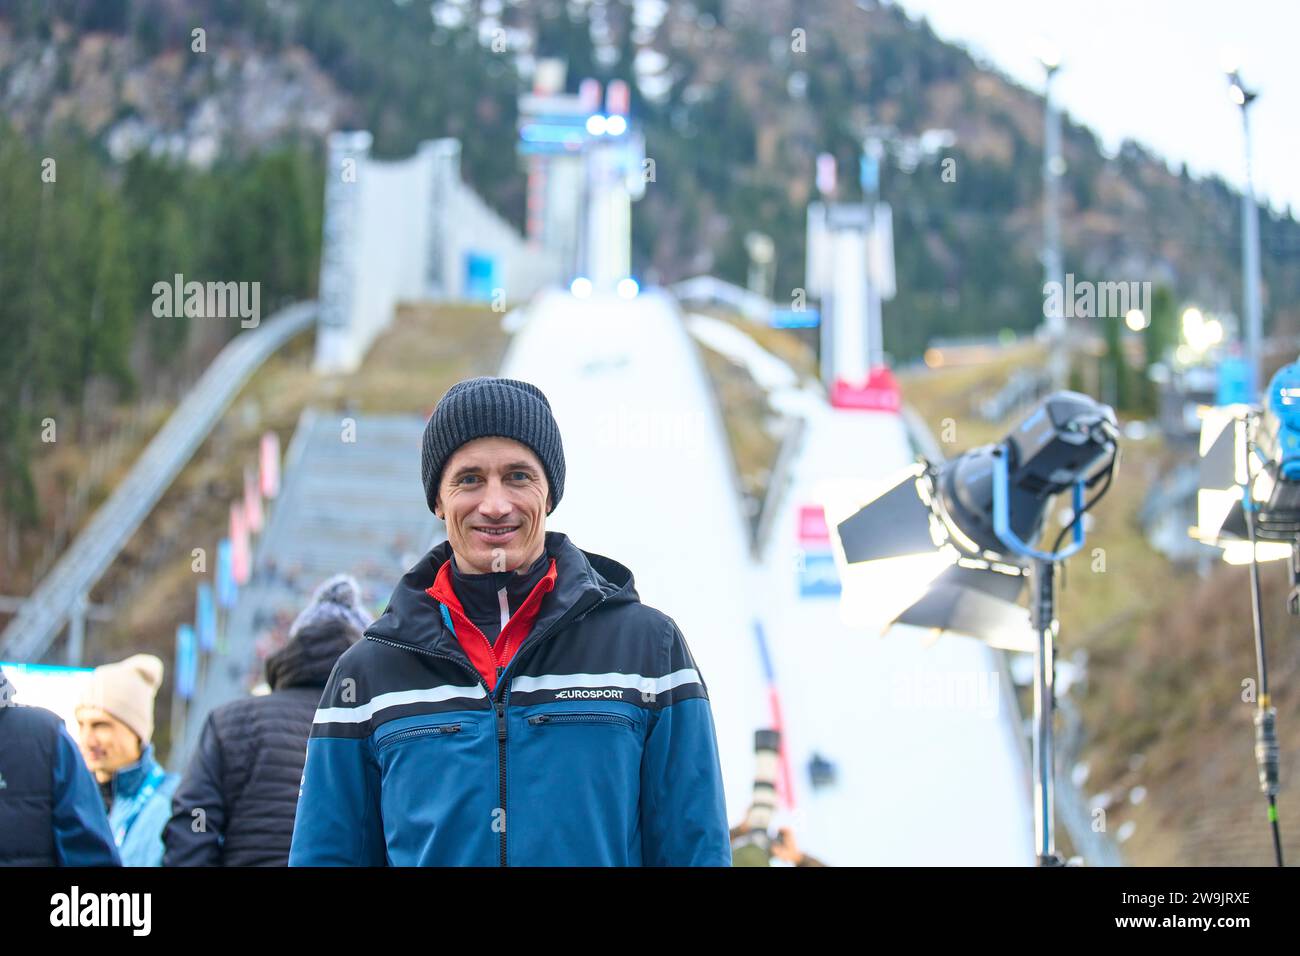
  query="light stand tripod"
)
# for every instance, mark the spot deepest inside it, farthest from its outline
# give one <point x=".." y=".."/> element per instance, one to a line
<point x="1042" y="614"/>
<point x="1266" y="746"/>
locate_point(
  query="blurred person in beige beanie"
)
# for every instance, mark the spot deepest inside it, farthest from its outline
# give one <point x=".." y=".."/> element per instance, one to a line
<point x="115" y="718"/>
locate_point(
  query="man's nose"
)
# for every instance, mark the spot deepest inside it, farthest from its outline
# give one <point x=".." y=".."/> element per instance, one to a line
<point x="495" y="501"/>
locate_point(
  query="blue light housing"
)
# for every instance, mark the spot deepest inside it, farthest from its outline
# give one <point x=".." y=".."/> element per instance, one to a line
<point x="1284" y="402"/>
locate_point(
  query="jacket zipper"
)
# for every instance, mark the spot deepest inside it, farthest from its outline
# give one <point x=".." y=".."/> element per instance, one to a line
<point x="503" y="686"/>
<point x="500" y="704"/>
<point x="501" y="768"/>
<point x="421" y="732"/>
<point x="580" y="717"/>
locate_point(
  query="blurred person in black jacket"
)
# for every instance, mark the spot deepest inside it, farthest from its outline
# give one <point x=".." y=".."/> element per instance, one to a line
<point x="236" y="803"/>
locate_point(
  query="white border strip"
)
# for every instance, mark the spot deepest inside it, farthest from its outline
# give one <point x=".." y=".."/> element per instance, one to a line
<point x="657" y="685"/>
<point x="356" y="715"/>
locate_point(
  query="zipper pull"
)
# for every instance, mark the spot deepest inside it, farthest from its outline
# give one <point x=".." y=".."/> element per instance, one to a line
<point x="501" y="721"/>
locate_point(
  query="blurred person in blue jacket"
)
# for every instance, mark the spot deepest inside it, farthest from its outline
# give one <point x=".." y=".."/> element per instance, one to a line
<point x="516" y="704"/>
<point x="50" y="811"/>
<point x="115" y="721"/>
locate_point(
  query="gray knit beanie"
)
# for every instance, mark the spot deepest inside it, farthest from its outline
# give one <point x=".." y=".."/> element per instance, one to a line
<point x="485" y="406"/>
<point x="336" y="602"/>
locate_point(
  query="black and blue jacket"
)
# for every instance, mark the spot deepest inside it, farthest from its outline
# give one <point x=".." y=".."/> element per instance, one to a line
<point x="597" y="747"/>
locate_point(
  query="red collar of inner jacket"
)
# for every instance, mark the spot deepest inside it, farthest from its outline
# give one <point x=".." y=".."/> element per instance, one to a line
<point x="488" y="659"/>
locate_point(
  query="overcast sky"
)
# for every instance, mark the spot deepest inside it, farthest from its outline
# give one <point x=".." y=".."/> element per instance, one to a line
<point x="1152" y="71"/>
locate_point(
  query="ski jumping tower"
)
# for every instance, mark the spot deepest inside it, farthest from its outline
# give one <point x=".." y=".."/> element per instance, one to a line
<point x="850" y="270"/>
<point x="585" y="168"/>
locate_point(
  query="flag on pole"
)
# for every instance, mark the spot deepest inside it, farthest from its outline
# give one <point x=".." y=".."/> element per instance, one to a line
<point x="227" y="589"/>
<point x="187" y="661"/>
<point x="270" y="465"/>
<point x="205" y="617"/>
<point x="618" y="98"/>
<point x="252" y="501"/>
<point x="239" y="556"/>
<point x="589" y="94"/>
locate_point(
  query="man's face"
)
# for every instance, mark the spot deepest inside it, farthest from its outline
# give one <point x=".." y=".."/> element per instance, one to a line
<point x="107" y="744"/>
<point x="494" y="485"/>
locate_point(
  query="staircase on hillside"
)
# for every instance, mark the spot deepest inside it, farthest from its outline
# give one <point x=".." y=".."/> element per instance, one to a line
<point x="351" y="502"/>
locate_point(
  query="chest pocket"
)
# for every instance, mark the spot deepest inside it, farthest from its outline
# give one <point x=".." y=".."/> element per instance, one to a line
<point x="406" y="735"/>
<point x="436" y="730"/>
<point x="561" y="719"/>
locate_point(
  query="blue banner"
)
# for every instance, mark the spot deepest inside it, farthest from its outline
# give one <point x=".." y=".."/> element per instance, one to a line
<point x="1236" y="382"/>
<point x="818" y="577"/>
<point x="205" y="617"/>
<point x="227" y="590"/>
<point x="480" y="277"/>
<point x="187" y="661"/>
<point x="795" y="318"/>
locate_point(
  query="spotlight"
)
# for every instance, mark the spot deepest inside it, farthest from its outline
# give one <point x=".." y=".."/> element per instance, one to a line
<point x="961" y="534"/>
<point x="990" y="501"/>
<point x="581" y="287"/>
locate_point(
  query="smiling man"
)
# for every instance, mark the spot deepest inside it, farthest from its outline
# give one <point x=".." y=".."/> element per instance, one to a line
<point x="516" y="704"/>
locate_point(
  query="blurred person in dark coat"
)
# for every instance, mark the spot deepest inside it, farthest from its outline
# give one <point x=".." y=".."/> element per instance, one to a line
<point x="236" y="803"/>
<point x="51" y="813"/>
